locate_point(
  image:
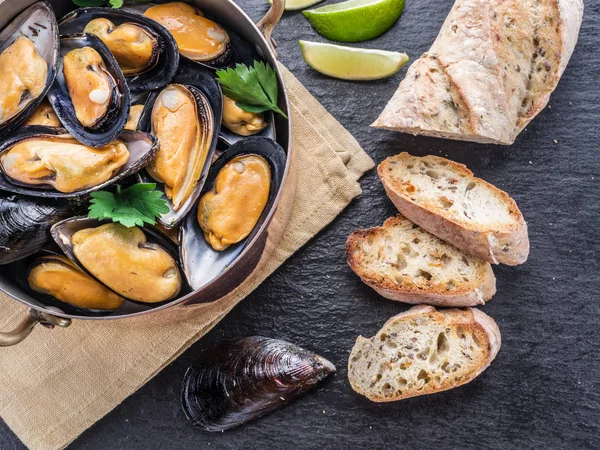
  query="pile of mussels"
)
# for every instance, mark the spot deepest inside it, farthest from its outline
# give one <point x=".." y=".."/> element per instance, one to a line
<point x="105" y="96"/>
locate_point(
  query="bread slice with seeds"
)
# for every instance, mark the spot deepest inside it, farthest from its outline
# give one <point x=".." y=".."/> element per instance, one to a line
<point x="403" y="262"/>
<point x="446" y="199"/>
<point x="423" y="351"/>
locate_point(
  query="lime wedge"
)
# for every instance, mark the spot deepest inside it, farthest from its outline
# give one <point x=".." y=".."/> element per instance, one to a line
<point x="293" y="5"/>
<point x="350" y="63"/>
<point x="355" y="20"/>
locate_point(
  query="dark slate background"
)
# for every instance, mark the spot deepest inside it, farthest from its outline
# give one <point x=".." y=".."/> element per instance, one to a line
<point x="543" y="389"/>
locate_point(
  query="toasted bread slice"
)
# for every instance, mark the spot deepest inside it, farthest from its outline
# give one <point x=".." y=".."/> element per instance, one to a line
<point x="405" y="263"/>
<point x="445" y="198"/>
<point x="423" y="351"/>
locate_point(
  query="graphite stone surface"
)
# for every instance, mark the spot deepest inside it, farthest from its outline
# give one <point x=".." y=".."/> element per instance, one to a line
<point x="543" y="389"/>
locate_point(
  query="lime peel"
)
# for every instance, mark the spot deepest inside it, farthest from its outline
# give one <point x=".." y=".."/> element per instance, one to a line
<point x="349" y="63"/>
<point x="355" y="20"/>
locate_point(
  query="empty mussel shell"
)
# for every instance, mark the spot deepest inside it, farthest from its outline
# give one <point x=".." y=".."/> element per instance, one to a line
<point x="25" y="223"/>
<point x="90" y="95"/>
<point x="143" y="262"/>
<point x="28" y="63"/>
<point x="207" y="92"/>
<point x="200" y="261"/>
<point x="52" y="163"/>
<point x="145" y="50"/>
<point x="244" y="379"/>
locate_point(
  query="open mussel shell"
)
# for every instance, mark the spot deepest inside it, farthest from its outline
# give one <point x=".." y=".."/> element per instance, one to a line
<point x="201" y="263"/>
<point x="25" y="223"/>
<point x="202" y="80"/>
<point x="229" y="137"/>
<point x="238" y="50"/>
<point x="142" y="149"/>
<point x="114" y="120"/>
<point x="63" y="231"/>
<point x="165" y="59"/>
<point x="20" y="271"/>
<point x="244" y="379"/>
<point x="37" y="24"/>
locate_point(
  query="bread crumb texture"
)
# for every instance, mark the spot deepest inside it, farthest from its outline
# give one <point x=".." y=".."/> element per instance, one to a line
<point x="419" y="353"/>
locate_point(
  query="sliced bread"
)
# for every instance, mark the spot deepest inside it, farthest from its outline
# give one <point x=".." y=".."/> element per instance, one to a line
<point x="405" y="263"/>
<point x="445" y="198"/>
<point x="423" y="351"/>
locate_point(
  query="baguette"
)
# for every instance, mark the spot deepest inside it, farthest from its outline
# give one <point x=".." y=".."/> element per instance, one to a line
<point x="490" y="71"/>
<point x="444" y="198"/>
<point x="423" y="351"/>
<point x="405" y="263"/>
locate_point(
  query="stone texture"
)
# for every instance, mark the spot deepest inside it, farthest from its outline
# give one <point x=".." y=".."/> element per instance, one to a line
<point x="543" y="390"/>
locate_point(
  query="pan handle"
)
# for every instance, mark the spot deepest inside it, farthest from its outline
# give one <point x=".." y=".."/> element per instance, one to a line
<point x="24" y="329"/>
<point x="268" y="22"/>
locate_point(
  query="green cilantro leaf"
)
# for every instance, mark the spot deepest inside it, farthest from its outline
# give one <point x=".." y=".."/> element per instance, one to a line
<point x="254" y="89"/>
<point x="116" y="3"/>
<point x="133" y="206"/>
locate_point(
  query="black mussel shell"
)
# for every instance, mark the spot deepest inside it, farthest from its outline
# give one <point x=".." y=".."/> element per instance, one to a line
<point x="201" y="263"/>
<point x="25" y="223"/>
<point x="241" y="380"/>
<point x="62" y="231"/>
<point x="238" y="51"/>
<point x="196" y="79"/>
<point x="38" y="23"/>
<point x="167" y="57"/>
<point x="114" y="121"/>
<point x="142" y="150"/>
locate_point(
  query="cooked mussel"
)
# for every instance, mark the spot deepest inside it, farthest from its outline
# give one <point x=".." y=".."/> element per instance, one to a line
<point x="63" y="163"/>
<point x="48" y="162"/>
<point x="229" y="212"/>
<point x="227" y="219"/>
<point x="134" y="47"/>
<point x="43" y="115"/>
<point x="91" y="87"/>
<point x="28" y="61"/>
<point x="25" y="223"/>
<point x="198" y="38"/>
<point x="244" y="379"/>
<point x="58" y="277"/>
<point x="241" y="122"/>
<point x="135" y="114"/>
<point x="140" y="265"/>
<point x="90" y="95"/>
<point x="183" y="122"/>
<point x="145" y="51"/>
<point x="23" y="74"/>
<point x="197" y="80"/>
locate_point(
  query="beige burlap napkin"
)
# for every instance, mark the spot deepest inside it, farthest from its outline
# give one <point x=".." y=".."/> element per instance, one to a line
<point x="59" y="382"/>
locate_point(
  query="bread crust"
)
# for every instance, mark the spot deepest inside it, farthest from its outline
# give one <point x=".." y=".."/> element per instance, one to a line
<point x="470" y="319"/>
<point x="507" y="245"/>
<point x="474" y="292"/>
<point x="473" y="99"/>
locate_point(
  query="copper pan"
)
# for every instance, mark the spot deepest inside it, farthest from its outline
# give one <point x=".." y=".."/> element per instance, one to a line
<point x="256" y="252"/>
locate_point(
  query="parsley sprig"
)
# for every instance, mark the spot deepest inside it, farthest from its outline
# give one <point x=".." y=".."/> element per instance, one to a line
<point x="254" y="88"/>
<point x="135" y="205"/>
